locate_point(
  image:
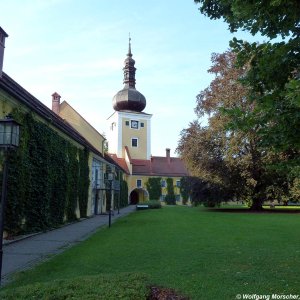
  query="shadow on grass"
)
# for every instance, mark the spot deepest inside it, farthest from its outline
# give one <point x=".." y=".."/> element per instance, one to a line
<point x="249" y="211"/>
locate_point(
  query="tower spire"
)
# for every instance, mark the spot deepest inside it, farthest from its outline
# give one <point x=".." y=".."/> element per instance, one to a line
<point x="129" y="98"/>
<point x="129" y="46"/>
<point x="129" y="69"/>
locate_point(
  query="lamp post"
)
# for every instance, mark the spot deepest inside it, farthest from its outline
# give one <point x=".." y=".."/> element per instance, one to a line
<point x="110" y="178"/>
<point x="9" y="139"/>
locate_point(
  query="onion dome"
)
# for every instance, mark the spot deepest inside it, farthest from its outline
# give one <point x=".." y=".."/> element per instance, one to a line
<point x="129" y="98"/>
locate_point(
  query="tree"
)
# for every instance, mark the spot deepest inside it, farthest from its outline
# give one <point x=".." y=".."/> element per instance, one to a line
<point x="203" y="192"/>
<point x="273" y="77"/>
<point x="229" y="159"/>
<point x="185" y="189"/>
<point x="270" y="18"/>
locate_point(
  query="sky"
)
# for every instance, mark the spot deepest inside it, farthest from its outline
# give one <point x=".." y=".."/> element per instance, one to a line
<point x="77" y="49"/>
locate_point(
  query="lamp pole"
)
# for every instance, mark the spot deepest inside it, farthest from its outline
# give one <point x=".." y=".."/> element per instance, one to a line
<point x="9" y="139"/>
<point x="3" y="206"/>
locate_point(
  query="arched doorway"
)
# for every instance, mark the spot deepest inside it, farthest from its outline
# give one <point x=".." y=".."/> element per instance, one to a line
<point x="134" y="197"/>
<point x="138" y="196"/>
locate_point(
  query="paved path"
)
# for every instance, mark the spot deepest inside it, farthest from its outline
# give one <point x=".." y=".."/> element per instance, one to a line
<point x="27" y="252"/>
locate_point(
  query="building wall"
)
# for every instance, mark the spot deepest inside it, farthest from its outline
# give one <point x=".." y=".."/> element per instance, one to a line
<point x="8" y="103"/>
<point x="139" y="133"/>
<point x="82" y="126"/>
<point x="121" y="133"/>
<point x="132" y="185"/>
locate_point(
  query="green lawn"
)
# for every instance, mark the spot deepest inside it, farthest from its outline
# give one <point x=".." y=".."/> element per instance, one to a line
<point x="200" y="253"/>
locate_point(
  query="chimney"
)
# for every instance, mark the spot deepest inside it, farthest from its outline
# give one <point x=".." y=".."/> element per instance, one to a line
<point x="168" y="155"/>
<point x="3" y="36"/>
<point x="56" y="103"/>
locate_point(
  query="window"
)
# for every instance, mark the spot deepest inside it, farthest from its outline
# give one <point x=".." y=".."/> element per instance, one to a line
<point x="178" y="183"/>
<point x="139" y="183"/>
<point x="135" y="124"/>
<point x="127" y="123"/>
<point x="163" y="183"/>
<point x="134" y="142"/>
<point x="142" y="124"/>
<point x="177" y="197"/>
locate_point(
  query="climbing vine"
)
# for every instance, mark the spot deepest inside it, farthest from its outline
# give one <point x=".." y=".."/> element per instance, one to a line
<point x="123" y="193"/>
<point x="47" y="177"/>
<point x="84" y="182"/>
<point x="154" y="188"/>
<point x="170" y="197"/>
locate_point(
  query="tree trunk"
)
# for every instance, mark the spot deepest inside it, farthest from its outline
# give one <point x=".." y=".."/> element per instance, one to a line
<point x="257" y="198"/>
<point x="257" y="205"/>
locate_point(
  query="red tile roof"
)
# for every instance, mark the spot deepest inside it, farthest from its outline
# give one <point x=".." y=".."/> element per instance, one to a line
<point x="156" y="166"/>
<point x="119" y="161"/>
<point x="159" y="166"/>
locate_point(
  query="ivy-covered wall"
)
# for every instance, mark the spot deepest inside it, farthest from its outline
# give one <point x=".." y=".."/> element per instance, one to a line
<point x="48" y="177"/>
<point x="170" y="197"/>
<point x="154" y="188"/>
<point x="123" y="193"/>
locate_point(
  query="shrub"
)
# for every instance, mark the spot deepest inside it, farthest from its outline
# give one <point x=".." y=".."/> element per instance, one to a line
<point x="170" y="199"/>
<point x="153" y="204"/>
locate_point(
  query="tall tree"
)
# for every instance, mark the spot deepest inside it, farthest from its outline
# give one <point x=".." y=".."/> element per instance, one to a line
<point x="230" y="157"/>
<point x="274" y="73"/>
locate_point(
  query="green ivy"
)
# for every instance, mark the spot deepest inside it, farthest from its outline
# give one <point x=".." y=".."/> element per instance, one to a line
<point x="170" y="197"/>
<point x="84" y="182"/>
<point x="123" y="193"/>
<point x="154" y="188"/>
<point x="47" y="177"/>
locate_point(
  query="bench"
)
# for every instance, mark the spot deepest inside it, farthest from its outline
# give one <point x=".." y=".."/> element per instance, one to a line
<point x="142" y="206"/>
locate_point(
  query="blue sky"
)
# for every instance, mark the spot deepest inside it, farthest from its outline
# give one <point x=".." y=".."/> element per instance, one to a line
<point x="77" y="48"/>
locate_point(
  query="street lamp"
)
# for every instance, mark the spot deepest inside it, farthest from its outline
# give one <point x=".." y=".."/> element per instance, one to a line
<point x="110" y="178"/>
<point x="9" y="139"/>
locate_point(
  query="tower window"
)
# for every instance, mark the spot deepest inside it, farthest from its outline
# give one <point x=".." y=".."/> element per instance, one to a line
<point x="134" y="142"/>
<point x="142" y="124"/>
<point x="127" y="123"/>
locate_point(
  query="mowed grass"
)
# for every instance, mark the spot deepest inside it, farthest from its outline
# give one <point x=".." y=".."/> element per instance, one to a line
<point x="200" y="253"/>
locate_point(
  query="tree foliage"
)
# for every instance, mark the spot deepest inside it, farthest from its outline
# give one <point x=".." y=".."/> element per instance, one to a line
<point x="185" y="189"/>
<point x="270" y="18"/>
<point x="273" y="77"/>
<point x="230" y="160"/>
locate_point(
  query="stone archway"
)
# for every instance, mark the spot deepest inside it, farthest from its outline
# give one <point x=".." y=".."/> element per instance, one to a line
<point x="138" y="196"/>
<point x="134" y="197"/>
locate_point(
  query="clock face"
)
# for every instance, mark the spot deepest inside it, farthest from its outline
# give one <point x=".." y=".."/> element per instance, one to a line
<point x="134" y="124"/>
